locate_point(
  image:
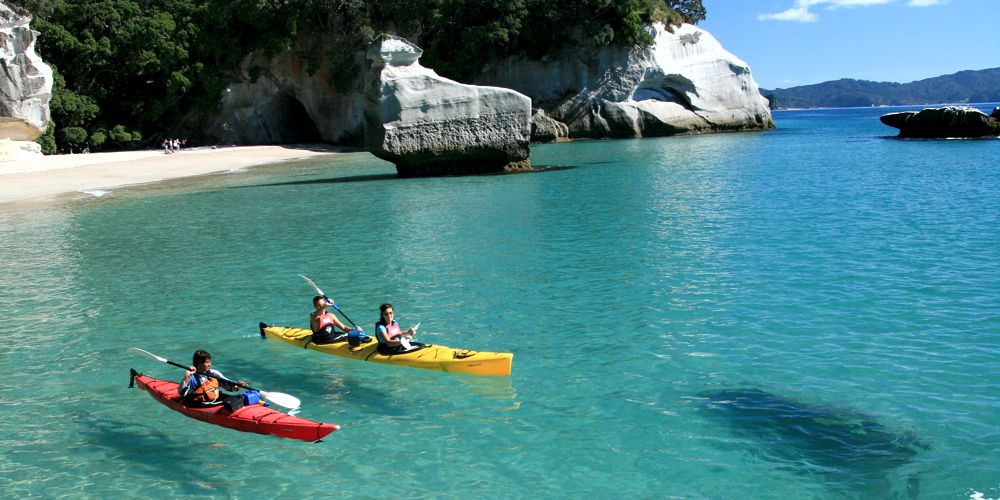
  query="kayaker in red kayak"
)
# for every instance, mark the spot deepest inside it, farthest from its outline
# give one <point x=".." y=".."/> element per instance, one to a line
<point x="323" y="323"/>
<point x="201" y="383"/>
<point x="388" y="333"/>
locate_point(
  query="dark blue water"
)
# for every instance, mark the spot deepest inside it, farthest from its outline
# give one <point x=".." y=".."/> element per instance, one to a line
<point x="807" y="312"/>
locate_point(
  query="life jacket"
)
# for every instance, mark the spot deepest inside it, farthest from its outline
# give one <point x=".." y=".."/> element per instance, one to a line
<point x="207" y="391"/>
<point x="325" y="319"/>
<point x="391" y="331"/>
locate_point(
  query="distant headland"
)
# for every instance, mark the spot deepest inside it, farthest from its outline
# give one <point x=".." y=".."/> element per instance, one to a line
<point x="962" y="87"/>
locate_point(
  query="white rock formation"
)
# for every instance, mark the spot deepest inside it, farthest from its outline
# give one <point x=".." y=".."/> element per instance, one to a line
<point x="430" y="125"/>
<point x="25" y="88"/>
<point x="686" y="82"/>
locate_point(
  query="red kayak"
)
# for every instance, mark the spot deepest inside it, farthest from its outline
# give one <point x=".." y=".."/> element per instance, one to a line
<point x="259" y="419"/>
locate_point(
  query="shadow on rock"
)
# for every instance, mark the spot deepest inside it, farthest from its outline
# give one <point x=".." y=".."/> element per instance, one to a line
<point x="850" y="449"/>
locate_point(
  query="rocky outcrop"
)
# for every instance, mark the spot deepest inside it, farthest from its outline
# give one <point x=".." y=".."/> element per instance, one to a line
<point x="949" y="121"/>
<point x="545" y="129"/>
<point x="276" y="101"/>
<point x="686" y="82"/>
<point x="25" y="88"/>
<point x="429" y="125"/>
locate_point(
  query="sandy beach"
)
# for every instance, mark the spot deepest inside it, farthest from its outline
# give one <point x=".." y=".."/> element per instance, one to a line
<point x="57" y="177"/>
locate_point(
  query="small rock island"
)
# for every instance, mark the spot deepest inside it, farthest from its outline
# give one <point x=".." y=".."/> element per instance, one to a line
<point x="946" y="122"/>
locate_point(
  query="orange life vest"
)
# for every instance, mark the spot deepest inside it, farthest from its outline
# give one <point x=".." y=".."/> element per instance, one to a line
<point x="207" y="392"/>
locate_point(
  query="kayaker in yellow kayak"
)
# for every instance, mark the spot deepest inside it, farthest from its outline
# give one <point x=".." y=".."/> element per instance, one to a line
<point x="323" y="323"/>
<point x="391" y="339"/>
<point x="201" y="383"/>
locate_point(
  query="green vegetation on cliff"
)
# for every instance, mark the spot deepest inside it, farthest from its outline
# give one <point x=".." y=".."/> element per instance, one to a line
<point x="964" y="86"/>
<point x="130" y="72"/>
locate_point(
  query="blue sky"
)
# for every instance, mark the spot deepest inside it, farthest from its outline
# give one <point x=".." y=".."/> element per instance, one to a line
<point x="800" y="42"/>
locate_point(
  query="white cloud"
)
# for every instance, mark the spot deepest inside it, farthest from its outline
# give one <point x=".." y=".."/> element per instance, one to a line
<point x="800" y="11"/>
<point x="854" y="3"/>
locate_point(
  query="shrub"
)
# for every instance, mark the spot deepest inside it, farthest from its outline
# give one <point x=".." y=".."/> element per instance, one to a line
<point x="73" y="136"/>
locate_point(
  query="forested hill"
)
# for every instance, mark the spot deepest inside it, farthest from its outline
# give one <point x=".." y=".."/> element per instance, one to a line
<point x="964" y="86"/>
<point x="129" y="72"/>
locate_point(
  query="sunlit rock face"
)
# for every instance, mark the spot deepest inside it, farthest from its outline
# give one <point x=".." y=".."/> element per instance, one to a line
<point x="686" y="82"/>
<point x="25" y="87"/>
<point x="429" y="125"/>
<point x="949" y="121"/>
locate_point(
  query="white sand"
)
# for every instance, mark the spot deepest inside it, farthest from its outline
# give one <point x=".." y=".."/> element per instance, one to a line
<point x="50" y="178"/>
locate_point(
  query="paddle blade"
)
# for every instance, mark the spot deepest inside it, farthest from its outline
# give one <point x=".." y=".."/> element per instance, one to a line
<point x="147" y="354"/>
<point x="313" y="285"/>
<point x="282" y="399"/>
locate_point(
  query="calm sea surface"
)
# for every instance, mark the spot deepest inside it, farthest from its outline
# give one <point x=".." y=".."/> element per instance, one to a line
<point x="810" y="312"/>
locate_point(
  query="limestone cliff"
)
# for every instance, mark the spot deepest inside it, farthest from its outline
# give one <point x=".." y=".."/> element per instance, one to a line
<point x="429" y="125"/>
<point x="276" y="101"/>
<point x="25" y="88"/>
<point x="686" y="82"/>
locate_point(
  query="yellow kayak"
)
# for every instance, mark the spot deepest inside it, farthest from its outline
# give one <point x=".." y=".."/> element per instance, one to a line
<point x="430" y="357"/>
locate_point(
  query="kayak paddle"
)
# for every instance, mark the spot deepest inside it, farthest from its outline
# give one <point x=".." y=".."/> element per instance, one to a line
<point x="278" y="398"/>
<point x="328" y="299"/>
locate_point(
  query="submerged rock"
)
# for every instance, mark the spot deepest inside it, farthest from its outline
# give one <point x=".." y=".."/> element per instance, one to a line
<point x="850" y="446"/>
<point x="949" y="121"/>
<point x="25" y="88"/>
<point x="429" y="125"/>
<point x="686" y="82"/>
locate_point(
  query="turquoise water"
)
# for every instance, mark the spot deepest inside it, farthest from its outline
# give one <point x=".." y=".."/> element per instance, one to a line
<point x="810" y="312"/>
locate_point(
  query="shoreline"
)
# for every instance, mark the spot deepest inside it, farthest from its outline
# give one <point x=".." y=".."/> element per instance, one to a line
<point x="50" y="179"/>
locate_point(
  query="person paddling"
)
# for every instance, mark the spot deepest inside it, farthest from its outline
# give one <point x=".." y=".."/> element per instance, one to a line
<point x="201" y="384"/>
<point x="391" y="340"/>
<point x="323" y="323"/>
